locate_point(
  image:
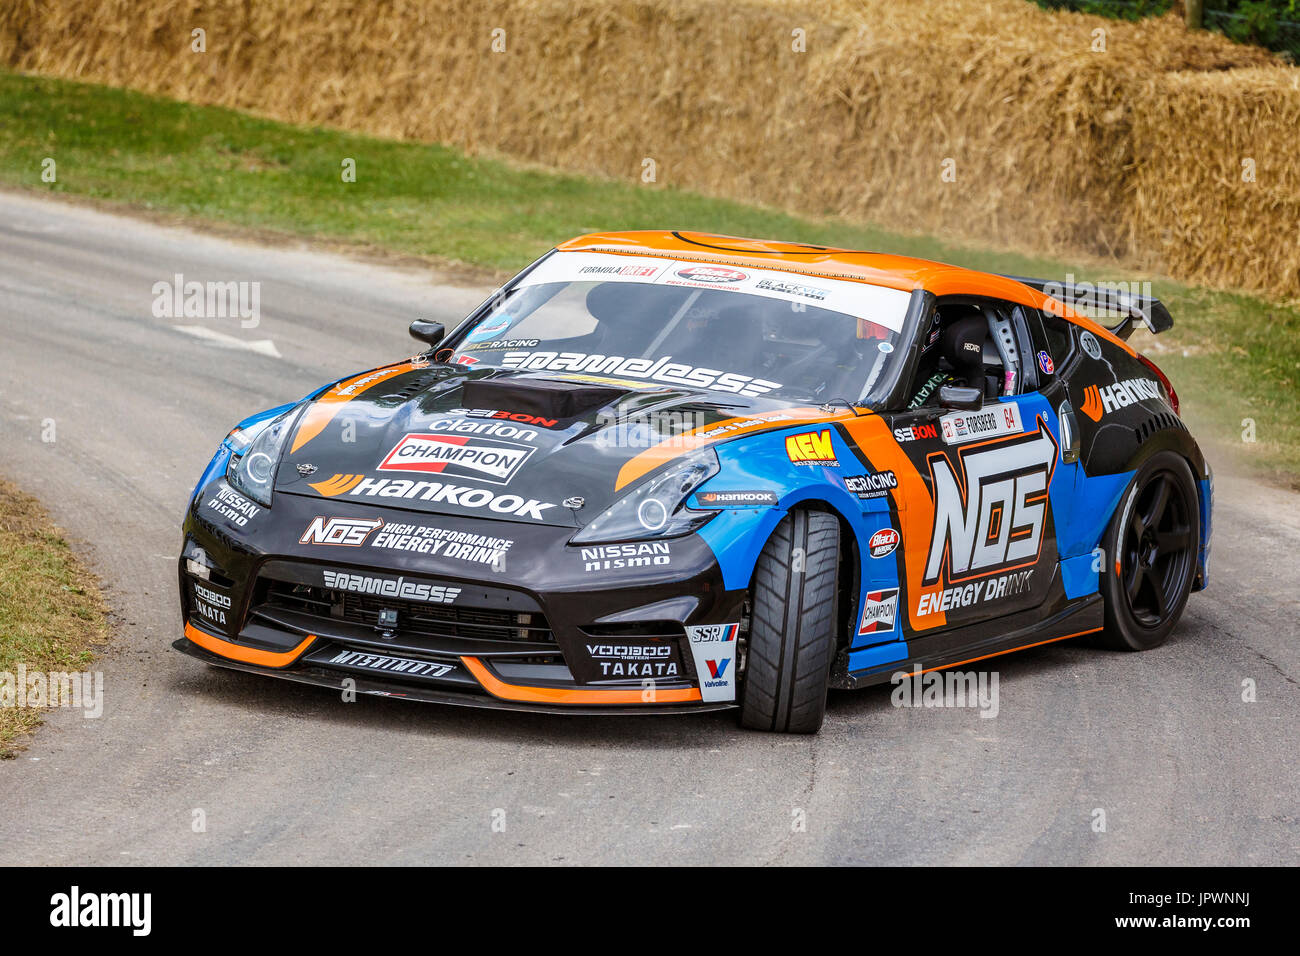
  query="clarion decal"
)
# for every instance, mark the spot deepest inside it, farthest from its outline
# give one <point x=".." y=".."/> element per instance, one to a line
<point x="615" y="557"/>
<point x="990" y="517"/>
<point x="398" y="588"/>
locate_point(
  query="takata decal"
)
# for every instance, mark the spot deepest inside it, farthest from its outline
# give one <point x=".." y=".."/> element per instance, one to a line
<point x="812" y="448"/>
<point x="461" y="456"/>
<point x="990" y="509"/>
<point x="344" y="532"/>
<point x="880" y="612"/>
<point x="1000" y="419"/>
<point x="1098" y="400"/>
<point x="883" y="543"/>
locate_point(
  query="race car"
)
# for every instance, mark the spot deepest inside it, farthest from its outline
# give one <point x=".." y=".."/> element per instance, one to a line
<point x="675" y="472"/>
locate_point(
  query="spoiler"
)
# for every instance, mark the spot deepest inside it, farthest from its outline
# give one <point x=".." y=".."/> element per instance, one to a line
<point x="1146" y="309"/>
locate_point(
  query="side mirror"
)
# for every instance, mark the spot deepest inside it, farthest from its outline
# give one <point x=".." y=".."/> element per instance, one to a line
<point x="428" y="332"/>
<point x="959" y="396"/>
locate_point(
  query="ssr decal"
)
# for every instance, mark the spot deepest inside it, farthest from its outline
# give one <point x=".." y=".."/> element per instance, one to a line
<point x="461" y="456"/>
<point x="713" y="649"/>
<point x="1099" y="400"/>
<point x="399" y="588"/>
<point x="883" y="542"/>
<point x="1000" y="419"/>
<point x="879" y="613"/>
<point x="343" y="532"/>
<point x="991" y="508"/>
<point x="812" y="448"/>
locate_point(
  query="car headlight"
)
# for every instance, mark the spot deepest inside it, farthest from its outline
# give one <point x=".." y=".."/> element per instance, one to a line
<point x="657" y="508"/>
<point x="256" y="454"/>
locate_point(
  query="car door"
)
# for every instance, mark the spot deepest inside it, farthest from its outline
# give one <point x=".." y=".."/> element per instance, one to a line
<point x="983" y="532"/>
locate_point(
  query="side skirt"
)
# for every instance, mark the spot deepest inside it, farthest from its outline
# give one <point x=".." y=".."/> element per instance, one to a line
<point x="969" y="644"/>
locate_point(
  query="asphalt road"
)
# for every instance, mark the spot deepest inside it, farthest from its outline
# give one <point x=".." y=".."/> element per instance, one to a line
<point x="1162" y="742"/>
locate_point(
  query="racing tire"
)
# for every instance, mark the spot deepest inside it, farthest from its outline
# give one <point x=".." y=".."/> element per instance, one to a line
<point x="792" y="626"/>
<point x="1149" y="556"/>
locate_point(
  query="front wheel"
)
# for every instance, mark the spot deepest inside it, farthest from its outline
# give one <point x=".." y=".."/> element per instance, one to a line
<point x="792" y="626"/>
<point x="1150" y="554"/>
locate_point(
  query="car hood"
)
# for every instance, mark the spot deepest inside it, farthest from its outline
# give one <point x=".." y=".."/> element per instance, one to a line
<point x="501" y="444"/>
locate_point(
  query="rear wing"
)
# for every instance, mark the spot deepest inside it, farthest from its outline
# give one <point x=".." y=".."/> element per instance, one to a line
<point x="1134" y="308"/>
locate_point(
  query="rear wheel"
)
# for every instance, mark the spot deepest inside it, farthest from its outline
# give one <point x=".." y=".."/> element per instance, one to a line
<point x="792" y="626"/>
<point x="1150" y="551"/>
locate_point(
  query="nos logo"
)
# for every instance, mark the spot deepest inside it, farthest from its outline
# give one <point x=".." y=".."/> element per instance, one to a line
<point x="990" y="517"/>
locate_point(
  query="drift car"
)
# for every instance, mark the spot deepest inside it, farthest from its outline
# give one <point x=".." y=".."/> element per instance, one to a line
<point x="679" y="472"/>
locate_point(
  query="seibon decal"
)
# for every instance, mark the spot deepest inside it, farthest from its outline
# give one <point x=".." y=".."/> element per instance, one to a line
<point x="989" y="515"/>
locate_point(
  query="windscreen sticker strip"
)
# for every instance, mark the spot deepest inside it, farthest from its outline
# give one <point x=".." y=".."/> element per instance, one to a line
<point x="886" y="307"/>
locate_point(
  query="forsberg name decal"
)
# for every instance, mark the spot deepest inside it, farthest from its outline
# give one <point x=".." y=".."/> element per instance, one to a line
<point x="1002" y="419"/>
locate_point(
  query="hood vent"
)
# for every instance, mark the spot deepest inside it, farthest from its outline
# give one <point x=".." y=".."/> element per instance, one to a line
<point x="544" y="397"/>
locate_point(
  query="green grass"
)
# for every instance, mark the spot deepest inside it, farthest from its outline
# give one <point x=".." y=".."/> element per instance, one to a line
<point x="1232" y="357"/>
<point x="51" y="612"/>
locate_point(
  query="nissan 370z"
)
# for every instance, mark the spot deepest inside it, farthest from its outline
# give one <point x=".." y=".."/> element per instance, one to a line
<point x="668" y="472"/>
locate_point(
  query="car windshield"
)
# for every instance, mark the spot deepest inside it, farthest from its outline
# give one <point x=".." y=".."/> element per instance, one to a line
<point x="659" y="321"/>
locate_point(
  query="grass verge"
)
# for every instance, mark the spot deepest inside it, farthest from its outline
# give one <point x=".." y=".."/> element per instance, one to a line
<point x="51" y="611"/>
<point x="1235" y="359"/>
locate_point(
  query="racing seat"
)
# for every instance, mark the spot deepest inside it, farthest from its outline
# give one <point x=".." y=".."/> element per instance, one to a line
<point x="963" y="348"/>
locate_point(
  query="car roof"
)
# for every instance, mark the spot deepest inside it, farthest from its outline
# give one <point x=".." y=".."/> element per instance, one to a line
<point x="874" y="268"/>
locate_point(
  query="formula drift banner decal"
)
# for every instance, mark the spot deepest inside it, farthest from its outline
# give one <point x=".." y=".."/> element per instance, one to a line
<point x="883" y="306"/>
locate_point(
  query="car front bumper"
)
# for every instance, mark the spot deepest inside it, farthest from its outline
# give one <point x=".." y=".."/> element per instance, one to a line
<point x="500" y="614"/>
